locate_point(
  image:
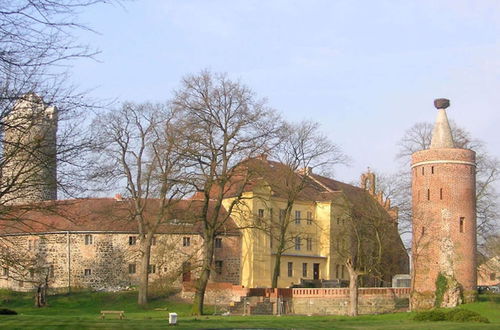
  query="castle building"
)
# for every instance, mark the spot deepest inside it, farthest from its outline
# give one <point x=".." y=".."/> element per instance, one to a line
<point x="29" y="154"/>
<point x="444" y="220"/>
<point x="319" y="233"/>
<point x="92" y="242"/>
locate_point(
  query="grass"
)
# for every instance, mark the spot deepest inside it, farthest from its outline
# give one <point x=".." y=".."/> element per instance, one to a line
<point x="81" y="311"/>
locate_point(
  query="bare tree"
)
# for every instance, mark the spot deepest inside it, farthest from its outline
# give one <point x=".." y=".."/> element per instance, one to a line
<point x="302" y="149"/>
<point x="222" y="124"/>
<point x="367" y="245"/>
<point x="26" y="265"/>
<point x="37" y="46"/>
<point x="135" y="148"/>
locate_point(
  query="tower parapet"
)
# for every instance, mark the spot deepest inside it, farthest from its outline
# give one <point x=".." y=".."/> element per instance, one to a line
<point x="444" y="220"/>
<point x="29" y="173"/>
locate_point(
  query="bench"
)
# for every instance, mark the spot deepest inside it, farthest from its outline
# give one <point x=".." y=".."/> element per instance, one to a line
<point x="121" y="313"/>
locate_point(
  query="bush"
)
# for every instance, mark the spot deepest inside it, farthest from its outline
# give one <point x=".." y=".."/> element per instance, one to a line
<point x="465" y="315"/>
<point x="454" y="315"/>
<point x="6" y="311"/>
<point x="431" y="315"/>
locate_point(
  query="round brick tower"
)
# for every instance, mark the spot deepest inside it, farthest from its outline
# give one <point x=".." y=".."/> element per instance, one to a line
<point x="444" y="220"/>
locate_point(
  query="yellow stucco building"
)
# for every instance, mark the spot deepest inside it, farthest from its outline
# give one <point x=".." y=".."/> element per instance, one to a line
<point x="316" y="213"/>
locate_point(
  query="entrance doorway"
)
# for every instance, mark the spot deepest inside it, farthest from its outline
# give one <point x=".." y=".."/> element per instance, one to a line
<point x="316" y="271"/>
<point x="186" y="272"/>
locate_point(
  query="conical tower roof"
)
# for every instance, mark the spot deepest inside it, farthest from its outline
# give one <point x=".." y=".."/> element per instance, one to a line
<point x="441" y="135"/>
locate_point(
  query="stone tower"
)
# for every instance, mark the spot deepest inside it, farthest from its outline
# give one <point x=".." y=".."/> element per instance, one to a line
<point x="29" y="173"/>
<point x="444" y="220"/>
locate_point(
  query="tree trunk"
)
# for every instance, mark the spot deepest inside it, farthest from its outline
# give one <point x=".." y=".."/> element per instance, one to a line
<point x="41" y="294"/>
<point x="201" y="283"/>
<point x="145" y="253"/>
<point x="276" y="271"/>
<point x="353" y="290"/>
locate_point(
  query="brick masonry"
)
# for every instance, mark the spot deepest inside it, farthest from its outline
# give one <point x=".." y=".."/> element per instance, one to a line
<point x="444" y="221"/>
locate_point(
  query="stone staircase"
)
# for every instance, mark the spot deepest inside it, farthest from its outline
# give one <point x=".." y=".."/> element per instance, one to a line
<point x="252" y="306"/>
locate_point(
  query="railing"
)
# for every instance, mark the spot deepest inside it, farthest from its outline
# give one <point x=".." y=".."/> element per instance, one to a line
<point x="338" y="292"/>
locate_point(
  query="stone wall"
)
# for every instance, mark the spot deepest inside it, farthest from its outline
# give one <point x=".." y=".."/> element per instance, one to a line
<point x="103" y="260"/>
<point x="336" y="301"/>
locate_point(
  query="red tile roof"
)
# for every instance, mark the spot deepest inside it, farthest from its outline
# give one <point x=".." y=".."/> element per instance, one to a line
<point x="104" y="214"/>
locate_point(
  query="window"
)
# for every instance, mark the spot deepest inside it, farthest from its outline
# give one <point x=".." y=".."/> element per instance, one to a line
<point x="87" y="272"/>
<point x="282" y="215"/>
<point x="132" y="240"/>
<point x="290" y="269"/>
<point x="131" y="269"/>
<point x="343" y="270"/>
<point x="218" y="267"/>
<point x="309" y="218"/>
<point x="423" y="171"/>
<point x="428" y="194"/>
<point x="309" y="243"/>
<point x="297" y="243"/>
<point x="88" y="239"/>
<point x="462" y="220"/>
<point x="337" y="271"/>
<point x="151" y="269"/>
<point x="186" y="241"/>
<point x="432" y="169"/>
<point x="492" y="276"/>
<point x="50" y="270"/>
<point x="441" y="193"/>
<point x="297" y="217"/>
<point x="153" y="240"/>
<point x="271" y="214"/>
<point x="32" y="244"/>
<point x="218" y="242"/>
<point x="304" y="269"/>
<point x="261" y="213"/>
<point x="5" y="271"/>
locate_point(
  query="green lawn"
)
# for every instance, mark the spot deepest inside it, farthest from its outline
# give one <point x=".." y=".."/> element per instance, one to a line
<point x="81" y="311"/>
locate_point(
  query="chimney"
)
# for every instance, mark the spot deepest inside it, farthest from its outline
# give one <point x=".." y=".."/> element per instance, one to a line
<point x="306" y="171"/>
<point x="118" y="198"/>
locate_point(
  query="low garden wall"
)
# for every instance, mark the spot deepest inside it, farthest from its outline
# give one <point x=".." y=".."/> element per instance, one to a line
<point x="336" y="301"/>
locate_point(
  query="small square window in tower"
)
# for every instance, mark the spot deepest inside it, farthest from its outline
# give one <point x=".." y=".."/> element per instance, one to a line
<point x="131" y="268"/>
<point x="132" y="240"/>
<point x="462" y="221"/>
<point x="151" y="269"/>
<point x="88" y="239"/>
<point x="87" y="272"/>
<point x="186" y="241"/>
<point x="218" y="243"/>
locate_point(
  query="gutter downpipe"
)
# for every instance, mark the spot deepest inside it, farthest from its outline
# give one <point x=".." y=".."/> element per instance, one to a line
<point x="68" y="243"/>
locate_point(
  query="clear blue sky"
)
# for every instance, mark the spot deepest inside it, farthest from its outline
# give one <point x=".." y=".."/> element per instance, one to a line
<point x="366" y="70"/>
